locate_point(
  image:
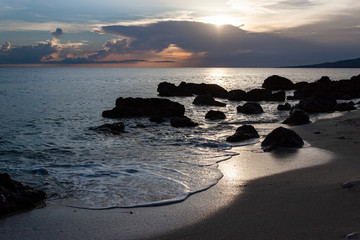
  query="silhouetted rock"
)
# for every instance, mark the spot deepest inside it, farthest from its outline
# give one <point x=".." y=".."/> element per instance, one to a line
<point x="114" y="128"/>
<point x="237" y="95"/>
<point x="156" y="119"/>
<point x="207" y="100"/>
<point x="14" y="196"/>
<point x="144" y="107"/>
<point x="278" y="96"/>
<point x="182" y="121"/>
<point x="282" y="137"/>
<point x="250" y="108"/>
<point x="342" y="107"/>
<point x="276" y="82"/>
<point x="243" y="133"/>
<point x="188" y="89"/>
<point x="215" y="115"/>
<point x="284" y="107"/>
<point x="317" y="104"/>
<point x="258" y="95"/>
<point x="297" y="117"/>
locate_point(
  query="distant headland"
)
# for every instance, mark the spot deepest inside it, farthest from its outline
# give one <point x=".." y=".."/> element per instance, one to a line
<point x="351" y="63"/>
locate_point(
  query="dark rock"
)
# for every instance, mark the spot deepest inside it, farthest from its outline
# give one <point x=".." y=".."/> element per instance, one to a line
<point x="183" y="121"/>
<point x="237" y="95"/>
<point x="297" y="117"/>
<point x="14" y="196"/>
<point x="243" y="133"/>
<point x="276" y="82"/>
<point x="278" y="96"/>
<point x="282" y="137"/>
<point x="144" y="107"/>
<point x="114" y="128"/>
<point x="284" y="107"/>
<point x="258" y="95"/>
<point x="344" y="107"/>
<point x="188" y="89"/>
<point x="215" y="115"/>
<point x="318" y="104"/>
<point x="139" y="125"/>
<point x="207" y="100"/>
<point x="250" y="108"/>
<point x="157" y="119"/>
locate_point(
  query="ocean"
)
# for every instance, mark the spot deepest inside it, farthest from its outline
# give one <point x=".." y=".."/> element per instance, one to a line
<point x="45" y="141"/>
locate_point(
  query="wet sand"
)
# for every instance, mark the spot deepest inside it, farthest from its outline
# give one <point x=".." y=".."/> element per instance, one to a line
<point x="277" y="195"/>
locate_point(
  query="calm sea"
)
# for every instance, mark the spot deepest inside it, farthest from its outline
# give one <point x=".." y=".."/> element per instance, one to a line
<point x="45" y="141"/>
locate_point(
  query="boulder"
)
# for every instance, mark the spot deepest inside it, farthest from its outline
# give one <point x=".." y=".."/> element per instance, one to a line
<point x="114" y="128"/>
<point x="215" y="115"/>
<point x="284" y="107"/>
<point x="157" y="119"/>
<point x="144" y="107"/>
<point x="276" y="82"/>
<point x="278" y="96"/>
<point x="258" y="95"/>
<point x="297" y="117"/>
<point x="237" y="95"/>
<point x="14" y="196"/>
<point x="250" y="108"/>
<point x="282" y="137"/>
<point x="207" y="100"/>
<point x="243" y="133"/>
<point x="182" y="121"/>
<point x="342" y="107"/>
<point x="188" y="89"/>
<point x="317" y="104"/>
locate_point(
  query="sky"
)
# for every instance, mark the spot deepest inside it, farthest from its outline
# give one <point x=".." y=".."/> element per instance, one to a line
<point x="163" y="33"/>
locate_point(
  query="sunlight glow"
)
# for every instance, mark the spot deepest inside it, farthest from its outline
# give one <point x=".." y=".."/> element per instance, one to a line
<point x="219" y="20"/>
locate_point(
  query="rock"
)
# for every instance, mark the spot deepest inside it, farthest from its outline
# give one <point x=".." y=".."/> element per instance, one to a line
<point x="14" y="196"/>
<point x="351" y="184"/>
<point x="258" y="95"/>
<point x="144" y="107"/>
<point x="157" y="119"/>
<point x="237" y="95"/>
<point x="183" y="121"/>
<point x="341" y="107"/>
<point x="282" y="137"/>
<point x="353" y="235"/>
<point x="188" y="89"/>
<point x="114" y="128"/>
<point x="276" y="82"/>
<point x="215" y="115"/>
<point x="297" y="117"/>
<point x="207" y="100"/>
<point x="284" y="107"/>
<point x="278" y="96"/>
<point x="317" y="104"/>
<point x="250" y="108"/>
<point x="243" y="133"/>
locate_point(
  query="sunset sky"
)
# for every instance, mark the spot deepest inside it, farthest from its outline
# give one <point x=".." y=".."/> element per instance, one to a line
<point x="162" y="33"/>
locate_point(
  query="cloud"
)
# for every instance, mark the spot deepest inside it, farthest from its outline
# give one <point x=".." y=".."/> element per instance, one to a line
<point x="58" y="32"/>
<point x="5" y="47"/>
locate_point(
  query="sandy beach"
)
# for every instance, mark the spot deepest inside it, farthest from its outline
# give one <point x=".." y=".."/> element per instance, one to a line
<point x="277" y="195"/>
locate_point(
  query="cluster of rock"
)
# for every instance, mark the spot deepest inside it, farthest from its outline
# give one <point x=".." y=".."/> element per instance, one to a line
<point x="14" y="196"/>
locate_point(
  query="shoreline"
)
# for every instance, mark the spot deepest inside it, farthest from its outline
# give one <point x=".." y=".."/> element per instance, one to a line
<point x="305" y="203"/>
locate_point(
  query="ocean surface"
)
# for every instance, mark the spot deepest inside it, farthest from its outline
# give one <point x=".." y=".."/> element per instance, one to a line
<point x="45" y="141"/>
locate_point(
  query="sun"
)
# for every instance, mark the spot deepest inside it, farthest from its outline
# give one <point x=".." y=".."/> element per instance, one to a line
<point x="219" y="20"/>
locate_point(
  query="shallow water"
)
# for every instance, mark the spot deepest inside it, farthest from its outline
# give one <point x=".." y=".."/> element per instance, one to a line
<point x="45" y="139"/>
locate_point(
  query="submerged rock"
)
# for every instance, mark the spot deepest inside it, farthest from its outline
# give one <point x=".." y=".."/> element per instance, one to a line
<point x="207" y="100"/>
<point x="144" y="107"/>
<point x="14" y="196"/>
<point x="215" y="115"/>
<point x="282" y="137"/>
<point x="250" y="108"/>
<point x="114" y="128"/>
<point x="276" y="82"/>
<point x="243" y="133"/>
<point x="297" y="117"/>
<point x="183" y="121"/>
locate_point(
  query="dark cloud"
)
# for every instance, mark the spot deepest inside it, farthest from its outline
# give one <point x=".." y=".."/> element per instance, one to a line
<point x="58" y="32"/>
<point x="222" y="46"/>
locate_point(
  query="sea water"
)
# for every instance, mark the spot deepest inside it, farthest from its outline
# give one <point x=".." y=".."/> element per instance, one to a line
<point x="45" y="141"/>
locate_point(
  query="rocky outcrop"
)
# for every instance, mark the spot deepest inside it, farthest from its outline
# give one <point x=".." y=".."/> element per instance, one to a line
<point x="215" y="115"/>
<point x="284" y="107"/>
<point x="237" y="95"/>
<point x="276" y="82"/>
<point x="188" y="89"/>
<point x="342" y="107"/>
<point x="250" y="108"/>
<point x="297" y="117"/>
<point x="244" y="132"/>
<point x="14" y="196"/>
<point x="207" y="100"/>
<point x="144" y="107"/>
<point x="258" y="95"/>
<point x="317" y="104"/>
<point x="282" y="137"/>
<point x="182" y="121"/>
<point x="157" y="119"/>
<point x="114" y="128"/>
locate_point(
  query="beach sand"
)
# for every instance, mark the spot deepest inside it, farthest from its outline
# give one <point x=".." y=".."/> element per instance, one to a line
<point x="278" y="195"/>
